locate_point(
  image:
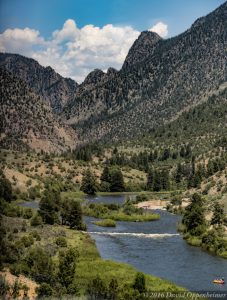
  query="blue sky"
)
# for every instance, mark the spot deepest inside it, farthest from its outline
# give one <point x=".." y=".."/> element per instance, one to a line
<point x="47" y="15"/>
<point x="44" y="17"/>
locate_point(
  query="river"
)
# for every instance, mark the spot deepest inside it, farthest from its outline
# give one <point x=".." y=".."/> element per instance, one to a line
<point x="156" y="248"/>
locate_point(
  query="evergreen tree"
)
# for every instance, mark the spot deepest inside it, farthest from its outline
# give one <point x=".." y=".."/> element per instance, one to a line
<point x="48" y="208"/>
<point x="218" y="214"/>
<point x="157" y="186"/>
<point x="71" y="214"/>
<point x="113" y="289"/>
<point x="194" y="218"/>
<point x="117" y="181"/>
<point x="67" y="266"/>
<point x="89" y="185"/>
<point x="165" y="180"/>
<point x="40" y="264"/>
<point x="178" y="176"/>
<point x="105" y="174"/>
<point x="6" y="192"/>
<point x="166" y="154"/>
<point x="97" y="290"/>
<point x="139" y="283"/>
<point x="150" y="180"/>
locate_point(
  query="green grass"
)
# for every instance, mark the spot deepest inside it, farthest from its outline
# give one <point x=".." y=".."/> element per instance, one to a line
<point x="223" y="254"/>
<point x="115" y="193"/>
<point x="120" y="216"/>
<point x="135" y="217"/>
<point x="90" y="263"/>
<point x="124" y="273"/>
<point x="194" y="241"/>
<point x="105" y="223"/>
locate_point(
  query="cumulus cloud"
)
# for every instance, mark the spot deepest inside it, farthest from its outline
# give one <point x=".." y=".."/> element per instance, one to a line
<point x="160" y="28"/>
<point x="72" y="51"/>
<point x="20" y="40"/>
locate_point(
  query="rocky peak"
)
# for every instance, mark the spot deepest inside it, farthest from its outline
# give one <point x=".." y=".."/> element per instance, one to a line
<point x="215" y="18"/>
<point x="111" y="71"/>
<point x="94" y="77"/>
<point x="142" y="47"/>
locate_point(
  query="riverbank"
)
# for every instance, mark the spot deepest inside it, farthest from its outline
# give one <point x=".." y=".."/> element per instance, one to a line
<point x="153" y="204"/>
<point x="89" y="265"/>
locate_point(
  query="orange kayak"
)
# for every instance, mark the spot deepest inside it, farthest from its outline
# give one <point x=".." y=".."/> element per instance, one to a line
<point x="219" y="281"/>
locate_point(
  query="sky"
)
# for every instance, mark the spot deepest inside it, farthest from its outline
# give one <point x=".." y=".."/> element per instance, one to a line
<point x="76" y="36"/>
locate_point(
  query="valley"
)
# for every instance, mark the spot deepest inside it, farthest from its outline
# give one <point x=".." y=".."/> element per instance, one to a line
<point x="115" y="188"/>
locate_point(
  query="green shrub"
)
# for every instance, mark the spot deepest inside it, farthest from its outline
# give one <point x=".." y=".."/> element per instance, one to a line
<point x="44" y="290"/>
<point x="61" y="241"/>
<point x="36" y="220"/>
<point x="27" y="240"/>
<point x="27" y="213"/>
<point x="35" y="235"/>
<point x="105" y="223"/>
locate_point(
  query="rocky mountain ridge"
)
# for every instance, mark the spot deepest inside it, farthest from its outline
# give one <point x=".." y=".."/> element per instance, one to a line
<point x="44" y="81"/>
<point x="26" y="120"/>
<point x="158" y="81"/>
<point x="176" y="74"/>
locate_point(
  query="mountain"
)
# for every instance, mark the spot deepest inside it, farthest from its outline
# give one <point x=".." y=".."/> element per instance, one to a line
<point x="27" y="121"/>
<point x="141" y="48"/>
<point x="158" y="81"/>
<point x="51" y="86"/>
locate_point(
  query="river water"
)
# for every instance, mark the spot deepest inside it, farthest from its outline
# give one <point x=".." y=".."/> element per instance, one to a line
<point x="156" y="248"/>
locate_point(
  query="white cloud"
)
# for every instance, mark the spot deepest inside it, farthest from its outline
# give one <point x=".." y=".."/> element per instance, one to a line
<point x="68" y="32"/>
<point x="20" y="40"/>
<point x="160" y="28"/>
<point x="72" y="51"/>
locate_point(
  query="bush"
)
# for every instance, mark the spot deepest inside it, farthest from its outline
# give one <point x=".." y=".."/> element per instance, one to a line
<point x="44" y="290"/>
<point x="139" y="283"/>
<point x="27" y="213"/>
<point x="61" y="241"/>
<point x="105" y="223"/>
<point x="35" y="235"/>
<point x="142" y="197"/>
<point x="40" y="264"/>
<point x="27" y="240"/>
<point x="36" y="220"/>
<point x="67" y="265"/>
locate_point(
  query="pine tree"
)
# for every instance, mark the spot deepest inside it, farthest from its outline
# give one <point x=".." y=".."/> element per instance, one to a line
<point x="6" y="192"/>
<point x="157" y="186"/>
<point x="194" y="218"/>
<point x="67" y="266"/>
<point x="48" y="208"/>
<point x="218" y="214"/>
<point x="178" y="176"/>
<point x="89" y="184"/>
<point x="105" y="174"/>
<point x="150" y="180"/>
<point x="71" y="214"/>
<point x="139" y="283"/>
<point x="117" y="181"/>
<point x="165" y="180"/>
